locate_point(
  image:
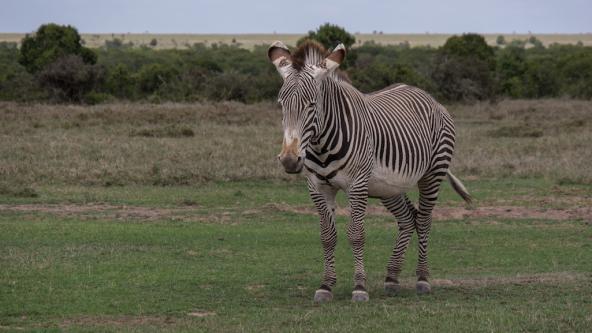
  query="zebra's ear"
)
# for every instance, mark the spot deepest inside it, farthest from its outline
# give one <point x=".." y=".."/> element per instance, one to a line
<point x="280" y="57"/>
<point x="330" y="63"/>
<point x="336" y="57"/>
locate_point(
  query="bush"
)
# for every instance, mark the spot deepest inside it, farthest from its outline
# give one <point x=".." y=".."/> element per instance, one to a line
<point x="577" y="76"/>
<point x="54" y="65"/>
<point x="152" y="77"/>
<point x="120" y="82"/>
<point x="464" y="68"/>
<point x="16" y="83"/>
<point x="511" y="68"/>
<point x="228" y="86"/>
<point x="541" y="78"/>
<point x="69" y="78"/>
<point x="94" y="97"/>
<point x="51" y="42"/>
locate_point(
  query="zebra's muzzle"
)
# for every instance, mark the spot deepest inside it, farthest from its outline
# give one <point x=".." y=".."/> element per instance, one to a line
<point x="292" y="163"/>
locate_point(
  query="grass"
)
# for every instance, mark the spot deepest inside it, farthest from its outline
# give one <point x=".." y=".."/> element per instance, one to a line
<point x="257" y="269"/>
<point x="542" y="138"/>
<point x="143" y="144"/>
<point x="176" y="217"/>
<point x="249" y="41"/>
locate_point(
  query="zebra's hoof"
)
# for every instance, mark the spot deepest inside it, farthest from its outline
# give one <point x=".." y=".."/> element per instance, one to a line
<point x="323" y="296"/>
<point x="392" y="288"/>
<point x="423" y="287"/>
<point x="360" y="296"/>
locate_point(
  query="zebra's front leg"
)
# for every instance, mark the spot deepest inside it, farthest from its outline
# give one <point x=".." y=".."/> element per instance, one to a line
<point x="358" y="200"/>
<point x="405" y="213"/>
<point x="428" y="195"/>
<point x="324" y="199"/>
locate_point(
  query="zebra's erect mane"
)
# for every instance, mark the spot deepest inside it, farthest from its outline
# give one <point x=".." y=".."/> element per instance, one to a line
<point x="311" y="53"/>
<point x="308" y="53"/>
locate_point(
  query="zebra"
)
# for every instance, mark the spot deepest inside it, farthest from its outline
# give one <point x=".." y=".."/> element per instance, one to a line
<point x="376" y="145"/>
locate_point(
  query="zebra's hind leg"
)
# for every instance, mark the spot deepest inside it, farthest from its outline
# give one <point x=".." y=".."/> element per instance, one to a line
<point x="429" y="186"/>
<point x="404" y="211"/>
<point x="324" y="200"/>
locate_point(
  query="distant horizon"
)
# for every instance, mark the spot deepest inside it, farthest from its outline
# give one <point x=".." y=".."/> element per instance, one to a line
<point x="266" y="16"/>
<point x="304" y="33"/>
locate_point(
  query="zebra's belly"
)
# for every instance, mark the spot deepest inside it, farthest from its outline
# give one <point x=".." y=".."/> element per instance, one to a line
<point x="385" y="183"/>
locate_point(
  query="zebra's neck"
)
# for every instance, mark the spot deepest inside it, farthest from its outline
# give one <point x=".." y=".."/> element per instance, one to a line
<point x="340" y="109"/>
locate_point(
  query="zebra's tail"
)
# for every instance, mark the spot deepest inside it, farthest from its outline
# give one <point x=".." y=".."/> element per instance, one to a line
<point x="459" y="188"/>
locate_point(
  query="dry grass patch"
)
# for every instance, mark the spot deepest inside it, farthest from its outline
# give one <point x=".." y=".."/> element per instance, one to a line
<point x="187" y="144"/>
<point x="170" y="144"/>
<point x="538" y="138"/>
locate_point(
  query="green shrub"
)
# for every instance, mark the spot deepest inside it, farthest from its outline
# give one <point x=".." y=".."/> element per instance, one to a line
<point x="51" y="42"/>
<point x="500" y="40"/>
<point x="330" y="35"/>
<point x="510" y="69"/>
<point x="577" y="76"/>
<point x="94" y="97"/>
<point x="152" y="77"/>
<point x="464" y="68"/>
<point x="69" y="78"/>
<point x="53" y="65"/>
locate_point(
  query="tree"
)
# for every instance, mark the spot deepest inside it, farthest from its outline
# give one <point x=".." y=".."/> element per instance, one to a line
<point x="535" y="42"/>
<point x="464" y="68"/>
<point x="329" y="35"/>
<point x="500" y="40"/>
<point x="469" y="46"/>
<point x="51" y="42"/>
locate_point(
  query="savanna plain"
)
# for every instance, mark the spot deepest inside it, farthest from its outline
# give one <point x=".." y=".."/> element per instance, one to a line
<point x="177" y="217"/>
<point x="249" y="41"/>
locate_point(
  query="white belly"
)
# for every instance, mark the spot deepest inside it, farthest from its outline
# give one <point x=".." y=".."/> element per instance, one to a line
<point x="385" y="183"/>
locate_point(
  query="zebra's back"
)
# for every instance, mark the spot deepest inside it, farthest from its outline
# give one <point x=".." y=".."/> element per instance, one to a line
<point x="408" y="128"/>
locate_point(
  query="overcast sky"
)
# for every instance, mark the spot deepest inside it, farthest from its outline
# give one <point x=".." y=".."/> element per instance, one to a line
<point x="299" y="16"/>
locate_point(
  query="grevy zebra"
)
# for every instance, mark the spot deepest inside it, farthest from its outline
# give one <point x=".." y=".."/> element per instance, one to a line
<point x="369" y="145"/>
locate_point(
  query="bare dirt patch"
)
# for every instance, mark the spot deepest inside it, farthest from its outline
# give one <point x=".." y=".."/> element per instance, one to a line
<point x="552" y="278"/>
<point x="201" y="314"/>
<point x="117" y="321"/>
<point x="195" y="214"/>
<point x="121" y="212"/>
<point x="542" y="278"/>
<point x="459" y="213"/>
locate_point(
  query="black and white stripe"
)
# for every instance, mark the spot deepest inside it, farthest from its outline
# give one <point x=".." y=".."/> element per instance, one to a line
<point x="369" y="145"/>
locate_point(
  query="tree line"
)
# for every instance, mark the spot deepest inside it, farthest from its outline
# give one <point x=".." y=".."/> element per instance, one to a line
<point x="53" y="65"/>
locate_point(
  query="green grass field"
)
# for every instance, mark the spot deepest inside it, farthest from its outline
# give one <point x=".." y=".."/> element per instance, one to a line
<point x="234" y="257"/>
<point x="137" y="217"/>
<point x="171" y="41"/>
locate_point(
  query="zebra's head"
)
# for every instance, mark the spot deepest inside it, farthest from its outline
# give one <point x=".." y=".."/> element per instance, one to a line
<point x="303" y="74"/>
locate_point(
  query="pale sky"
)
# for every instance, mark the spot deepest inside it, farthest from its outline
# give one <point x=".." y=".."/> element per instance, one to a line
<point x="299" y="16"/>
